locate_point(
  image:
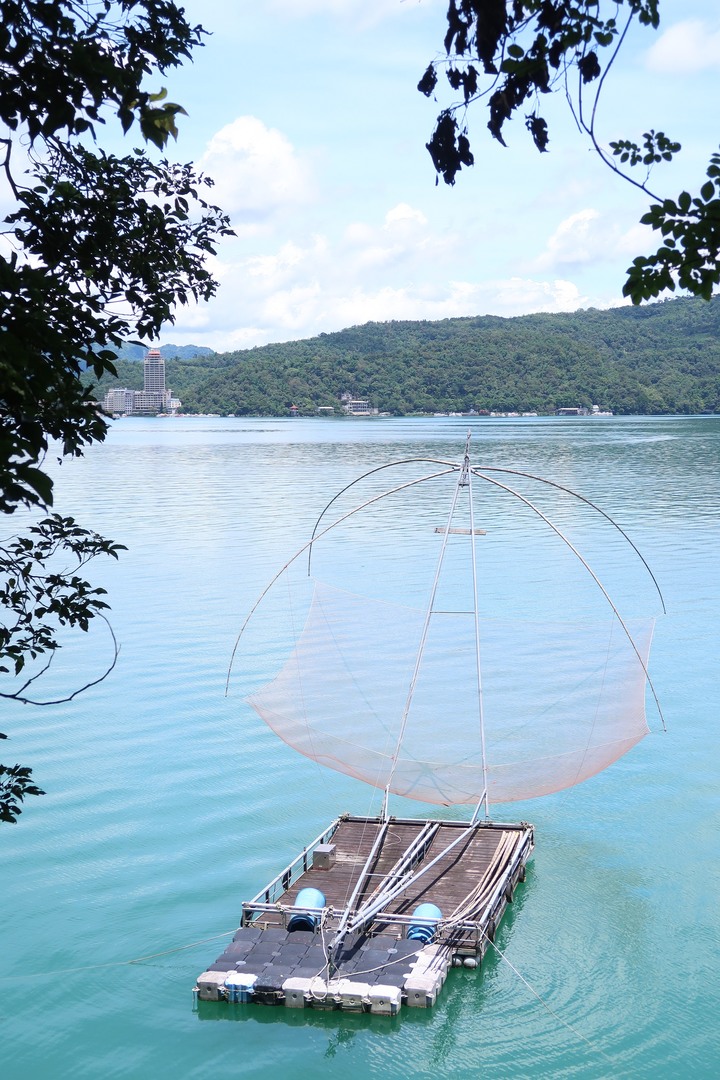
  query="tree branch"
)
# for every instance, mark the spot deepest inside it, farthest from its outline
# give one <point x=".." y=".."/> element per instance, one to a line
<point x="590" y="129"/>
<point x="19" y="695"/>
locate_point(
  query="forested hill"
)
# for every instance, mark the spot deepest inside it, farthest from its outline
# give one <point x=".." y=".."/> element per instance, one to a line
<point x="663" y="358"/>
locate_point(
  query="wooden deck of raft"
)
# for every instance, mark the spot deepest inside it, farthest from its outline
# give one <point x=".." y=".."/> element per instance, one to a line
<point x="470" y="884"/>
<point x="446" y="886"/>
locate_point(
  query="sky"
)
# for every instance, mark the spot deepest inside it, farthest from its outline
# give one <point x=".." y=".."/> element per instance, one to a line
<point x="306" y="114"/>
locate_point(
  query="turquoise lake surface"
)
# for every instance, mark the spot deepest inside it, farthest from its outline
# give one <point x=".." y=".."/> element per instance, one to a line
<point x="168" y="804"/>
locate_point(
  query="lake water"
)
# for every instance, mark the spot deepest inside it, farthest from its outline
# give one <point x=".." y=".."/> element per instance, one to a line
<point x="168" y="804"/>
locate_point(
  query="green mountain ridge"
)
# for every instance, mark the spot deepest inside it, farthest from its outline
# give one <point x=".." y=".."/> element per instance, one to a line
<point x="662" y="358"/>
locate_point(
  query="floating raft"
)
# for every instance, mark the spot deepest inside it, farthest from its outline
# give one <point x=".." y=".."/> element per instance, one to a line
<point x="339" y="927"/>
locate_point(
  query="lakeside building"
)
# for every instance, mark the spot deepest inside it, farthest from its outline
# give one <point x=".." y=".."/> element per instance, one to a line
<point x="581" y="410"/>
<point x="357" y="406"/>
<point x="153" y="399"/>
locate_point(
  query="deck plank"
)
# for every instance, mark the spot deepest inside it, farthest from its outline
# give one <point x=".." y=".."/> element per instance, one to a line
<point x="446" y="885"/>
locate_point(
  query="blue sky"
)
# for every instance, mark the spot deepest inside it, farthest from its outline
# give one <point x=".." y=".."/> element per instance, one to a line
<point x="307" y="115"/>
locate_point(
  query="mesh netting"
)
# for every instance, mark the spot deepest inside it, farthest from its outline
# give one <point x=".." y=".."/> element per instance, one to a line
<point x="552" y="717"/>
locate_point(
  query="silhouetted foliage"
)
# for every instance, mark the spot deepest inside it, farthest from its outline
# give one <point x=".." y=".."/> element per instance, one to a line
<point x="509" y="54"/>
<point x="41" y="592"/>
<point x="100" y="248"/>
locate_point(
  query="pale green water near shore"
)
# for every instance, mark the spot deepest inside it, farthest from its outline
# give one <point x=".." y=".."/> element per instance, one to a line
<point x="168" y="804"/>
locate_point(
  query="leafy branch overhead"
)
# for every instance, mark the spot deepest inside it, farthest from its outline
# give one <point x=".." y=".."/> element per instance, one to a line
<point x="509" y="54"/>
<point x="41" y="594"/>
<point x="98" y="248"/>
<point x="102" y="248"/>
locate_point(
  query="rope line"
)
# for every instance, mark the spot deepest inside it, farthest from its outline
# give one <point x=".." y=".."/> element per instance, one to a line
<point x="118" y="963"/>
<point x="548" y="1008"/>
<point x="389" y="963"/>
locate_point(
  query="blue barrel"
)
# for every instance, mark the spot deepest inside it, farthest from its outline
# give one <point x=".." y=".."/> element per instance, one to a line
<point x="421" y="929"/>
<point x="231" y="988"/>
<point x="304" y="920"/>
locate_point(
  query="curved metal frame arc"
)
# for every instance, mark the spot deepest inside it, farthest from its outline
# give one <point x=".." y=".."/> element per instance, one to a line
<point x="480" y="473"/>
<point x="558" y="532"/>
<point x="309" y="543"/>
<point x="487" y="469"/>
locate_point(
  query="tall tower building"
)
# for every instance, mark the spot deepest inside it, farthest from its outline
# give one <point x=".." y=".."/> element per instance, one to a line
<point x="154" y="372"/>
<point x="153" y="400"/>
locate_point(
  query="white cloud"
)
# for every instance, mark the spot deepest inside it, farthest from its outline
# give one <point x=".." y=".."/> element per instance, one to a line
<point x="397" y="267"/>
<point x="256" y="170"/>
<point x="285" y="264"/>
<point x="686" y="47"/>
<point x="575" y="241"/>
<point x="400" y="221"/>
<point x="404" y="215"/>
<point x="306" y="310"/>
<point x="585" y="238"/>
<point x="401" y="239"/>
<point x="523" y="296"/>
<point x="636" y="239"/>
<point x="300" y="291"/>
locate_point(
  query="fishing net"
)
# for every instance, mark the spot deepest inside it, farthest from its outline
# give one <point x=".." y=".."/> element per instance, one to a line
<point x="552" y="716"/>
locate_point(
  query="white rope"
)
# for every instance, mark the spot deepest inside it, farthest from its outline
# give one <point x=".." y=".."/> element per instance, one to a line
<point x="117" y="963"/>
<point x="545" y="1005"/>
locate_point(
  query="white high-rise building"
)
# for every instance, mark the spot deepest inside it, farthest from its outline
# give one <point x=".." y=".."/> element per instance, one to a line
<point x="154" y="398"/>
<point x="154" y="372"/>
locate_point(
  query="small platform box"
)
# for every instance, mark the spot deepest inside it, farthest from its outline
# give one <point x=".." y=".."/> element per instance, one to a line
<point x="211" y="986"/>
<point x="324" y="857"/>
<point x="385" y="1000"/>
<point x="296" y="992"/>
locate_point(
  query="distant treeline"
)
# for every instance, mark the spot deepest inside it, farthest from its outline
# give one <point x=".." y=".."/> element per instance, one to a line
<point x="663" y="358"/>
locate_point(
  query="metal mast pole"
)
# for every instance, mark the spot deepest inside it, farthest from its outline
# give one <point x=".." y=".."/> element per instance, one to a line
<point x="423" y="641"/>
<point x="466" y="478"/>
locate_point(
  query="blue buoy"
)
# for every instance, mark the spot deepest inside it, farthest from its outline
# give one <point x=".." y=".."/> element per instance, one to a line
<point x="304" y="920"/>
<point x="422" y="929"/>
